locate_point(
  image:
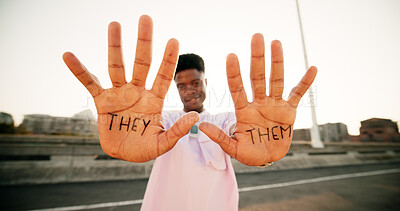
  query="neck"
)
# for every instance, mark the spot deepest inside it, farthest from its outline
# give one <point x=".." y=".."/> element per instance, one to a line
<point x="199" y="110"/>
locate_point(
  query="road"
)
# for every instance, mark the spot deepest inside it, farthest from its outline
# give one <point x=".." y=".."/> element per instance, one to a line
<point x="362" y="187"/>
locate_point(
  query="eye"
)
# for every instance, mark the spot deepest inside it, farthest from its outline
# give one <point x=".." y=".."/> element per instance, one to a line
<point x="181" y="86"/>
<point x="196" y="83"/>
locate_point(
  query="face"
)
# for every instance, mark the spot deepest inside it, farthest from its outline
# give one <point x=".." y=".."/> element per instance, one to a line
<point x="191" y="86"/>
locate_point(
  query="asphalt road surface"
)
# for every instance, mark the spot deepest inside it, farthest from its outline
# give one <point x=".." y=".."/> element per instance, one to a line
<point x="361" y="187"/>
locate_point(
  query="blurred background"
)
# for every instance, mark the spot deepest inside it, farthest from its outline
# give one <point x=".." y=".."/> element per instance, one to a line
<point x="48" y="119"/>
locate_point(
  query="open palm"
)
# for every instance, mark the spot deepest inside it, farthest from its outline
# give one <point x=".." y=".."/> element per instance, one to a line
<point x="264" y="127"/>
<point x="129" y="115"/>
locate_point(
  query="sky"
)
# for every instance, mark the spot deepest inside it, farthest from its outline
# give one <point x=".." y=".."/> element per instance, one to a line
<point x="354" y="44"/>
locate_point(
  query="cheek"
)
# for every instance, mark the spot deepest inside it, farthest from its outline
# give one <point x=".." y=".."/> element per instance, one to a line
<point x="203" y="94"/>
<point x="181" y="95"/>
<point x="204" y="91"/>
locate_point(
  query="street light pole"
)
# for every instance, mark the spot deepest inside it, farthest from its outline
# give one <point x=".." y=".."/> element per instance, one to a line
<point x="315" y="136"/>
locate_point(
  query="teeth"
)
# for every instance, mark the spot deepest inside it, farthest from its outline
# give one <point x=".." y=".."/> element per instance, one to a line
<point x="193" y="98"/>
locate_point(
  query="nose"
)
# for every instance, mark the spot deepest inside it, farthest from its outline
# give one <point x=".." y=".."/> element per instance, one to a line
<point x="190" y="89"/>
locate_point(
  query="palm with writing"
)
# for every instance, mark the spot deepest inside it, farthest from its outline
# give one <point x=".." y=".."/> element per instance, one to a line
<point x="264" y="127"/>
<point x="129" y="115"/>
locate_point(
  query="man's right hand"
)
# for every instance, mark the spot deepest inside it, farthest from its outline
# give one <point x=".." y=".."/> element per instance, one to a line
<point x="129" y="115"/>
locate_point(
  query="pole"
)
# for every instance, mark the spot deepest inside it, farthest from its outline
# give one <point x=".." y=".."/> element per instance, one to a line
<point x="315" y="136"/>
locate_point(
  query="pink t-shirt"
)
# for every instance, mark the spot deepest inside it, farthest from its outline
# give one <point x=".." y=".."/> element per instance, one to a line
<point x="196" y="174"/>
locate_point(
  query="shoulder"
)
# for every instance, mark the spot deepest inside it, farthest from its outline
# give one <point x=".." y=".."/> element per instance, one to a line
<point x="225" y="115"/>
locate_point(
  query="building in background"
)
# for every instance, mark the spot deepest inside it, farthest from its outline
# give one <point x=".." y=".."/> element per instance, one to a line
<point x="6" y="123"/>
<point x="378" y="130"/>
<point x="301" y="134"/>
<point x="334" y="132"/>
<point x="330" y="132"/>
<point x="82" y="124"/>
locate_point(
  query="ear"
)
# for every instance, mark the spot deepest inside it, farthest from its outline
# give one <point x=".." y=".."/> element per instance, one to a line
<point x="205" y="80"/>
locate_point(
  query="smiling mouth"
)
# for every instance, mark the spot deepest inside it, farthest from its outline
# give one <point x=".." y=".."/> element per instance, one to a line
<point x="192" y="98"/>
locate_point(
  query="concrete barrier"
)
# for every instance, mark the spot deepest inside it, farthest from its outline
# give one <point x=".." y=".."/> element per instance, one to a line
<point x="58" y="159"/>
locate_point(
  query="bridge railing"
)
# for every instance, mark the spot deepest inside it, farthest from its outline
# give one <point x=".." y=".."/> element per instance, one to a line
<point x="33" y="159"/>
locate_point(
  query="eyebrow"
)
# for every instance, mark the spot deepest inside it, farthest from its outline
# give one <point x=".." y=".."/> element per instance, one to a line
<point x="190" y="81"/>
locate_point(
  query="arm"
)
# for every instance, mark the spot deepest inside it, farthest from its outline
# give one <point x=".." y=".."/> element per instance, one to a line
<point x="129" y="115"/>
<point x="264" y="127"/>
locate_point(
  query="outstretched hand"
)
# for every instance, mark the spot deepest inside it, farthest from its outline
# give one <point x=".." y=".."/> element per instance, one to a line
<point x="129" y="115"/>
<point x="264" y="127"/>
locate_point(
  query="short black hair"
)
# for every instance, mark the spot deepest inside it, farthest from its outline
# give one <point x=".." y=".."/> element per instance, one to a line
<point x="189" y="61"/>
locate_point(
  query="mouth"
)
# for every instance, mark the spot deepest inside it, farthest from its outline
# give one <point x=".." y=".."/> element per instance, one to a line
<point x="192" y="98"/>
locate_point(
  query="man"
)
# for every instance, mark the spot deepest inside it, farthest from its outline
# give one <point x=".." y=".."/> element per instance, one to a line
<point x="131" y="128"/>
<point x="196" y="174"/>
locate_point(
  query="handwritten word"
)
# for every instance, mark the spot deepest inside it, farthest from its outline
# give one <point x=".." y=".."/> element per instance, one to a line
<point x="134" y="123"/>
<point x="272" y="133"/>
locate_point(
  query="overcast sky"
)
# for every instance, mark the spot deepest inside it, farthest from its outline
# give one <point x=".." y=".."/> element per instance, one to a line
<point x="354" y="43"/>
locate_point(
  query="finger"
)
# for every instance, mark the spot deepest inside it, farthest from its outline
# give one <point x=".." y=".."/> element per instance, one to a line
<point x="229" y="145"/>
<point x="297" y="92"/>
<point x="276" y="77"/>
<point x="179" y="129"/>
<point x="115" y="60"/>
<point x="143" y="51"/>
<point x="235" y="82"/>
<point x="82" y="74"/>
<point x="257" y="67"/>
<point x="167" y="69"/>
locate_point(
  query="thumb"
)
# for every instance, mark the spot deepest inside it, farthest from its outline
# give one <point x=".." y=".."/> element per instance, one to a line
<point x="229" y="145"/>
<point x="180" y="128"/>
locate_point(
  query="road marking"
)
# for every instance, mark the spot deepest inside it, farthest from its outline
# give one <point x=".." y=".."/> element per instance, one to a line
<point x="319" y="179"/>
<point x="245" y="189"/>
<point x="93" y="206"/>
